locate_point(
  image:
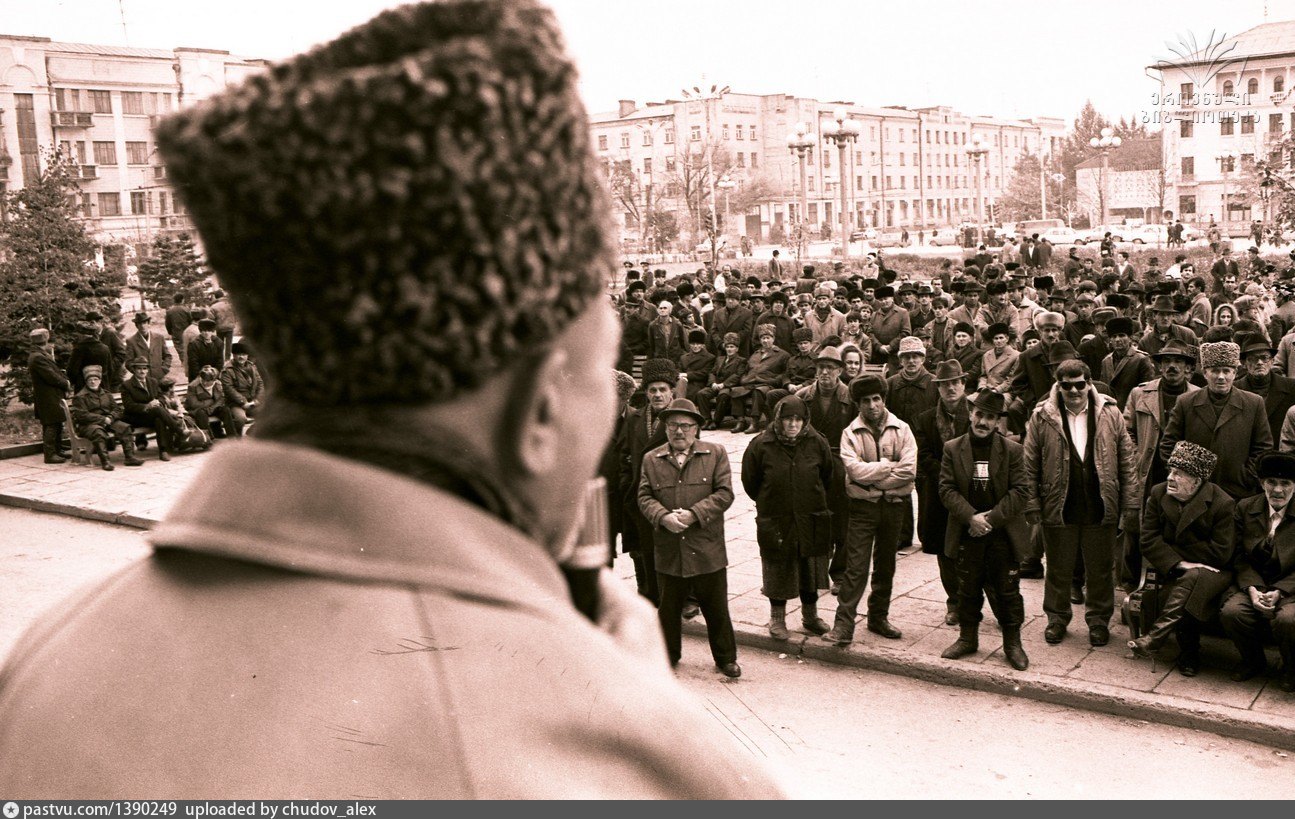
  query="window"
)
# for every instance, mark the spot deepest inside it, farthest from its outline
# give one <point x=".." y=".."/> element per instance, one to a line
<point x="827" y="159"/>
<point x="1228" y="88"/>
<point x="928" y="136"/>
<point x="1185" y="128"/>
<point x="1274" y="123"/>
<point x="858" y="183"/>
<point x="887" y="182"/>
<point x="901" y="159"/>
<point x="1247" y="160"/>
<point x="1227" y="164"/>
<point x="163" y="203"/>
<point x="669" y="136"/>
<point x="754" y="160"/>
<point x="811" y="184"/>
<point x="1248" y="124"/>
<point x="138" y="203"/>
<point x="101" y="102"/>
<point x="901" y="134"/>
<point x="647" y="138"/>
<point x="625" y="139"/>
<point x="929" y="182"/>
<point x="157" y="103"/>
<point x="724" y="131"/>
<point x="750" y="132"/>
<point x="647" y="165"/>
<point x="136" y="153"/>
<point x="67" y="99"/>
<point x="1225" y="126"/>
<point x="858" y="157"/>
<point x="1279" y="84"/>
<point x="1185" y="90"/>
<point x="105" y="153"/>
<point x="874" y="183"/>
<point x="694" y="133"/>
<point x="132" y="102"/>
<point x="739" y="131"/>
<point x="602" y="142"/>
<point x="1189" y="167"/>
<point x="1186" y="205"/>
<point x="741" y="159"/>
<point x="669" y="164"/>
<point x="109" y="203"/>
<point x="1252" y="87"/>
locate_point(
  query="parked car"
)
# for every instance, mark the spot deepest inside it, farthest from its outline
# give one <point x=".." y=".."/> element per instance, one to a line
<point x="1060" y="236"/>
<point x="864" y="235"/>
<point x="945" y="237"/>
<point x="1095" y="235"/>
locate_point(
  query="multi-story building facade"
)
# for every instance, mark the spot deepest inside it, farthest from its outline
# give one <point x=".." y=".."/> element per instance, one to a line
<point x="1222" y="110"/>
<point x="99" y="104"/>
<point x="908" y="169"/>
<point x="1130" y="181"/>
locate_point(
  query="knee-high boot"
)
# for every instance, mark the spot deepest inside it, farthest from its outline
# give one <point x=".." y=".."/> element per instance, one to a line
<point x="102" y="452"/>
<point x="1173" y="611"/>
<point x="49" y="434"/>
<point x="128" y="451"/>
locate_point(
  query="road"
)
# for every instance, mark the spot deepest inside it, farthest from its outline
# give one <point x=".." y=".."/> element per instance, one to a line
<point x="845" y="733"/>
<point x="833" y="732"/>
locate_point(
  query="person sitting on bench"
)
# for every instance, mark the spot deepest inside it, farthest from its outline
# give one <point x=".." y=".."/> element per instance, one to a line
<point x="243" y="387"/>
<point x="97" y="417"/>
<point x="205" y="403"/>
<point x="141" y="396"/>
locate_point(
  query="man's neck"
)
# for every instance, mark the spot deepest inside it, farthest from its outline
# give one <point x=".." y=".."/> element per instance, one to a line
<point x="1173" y="389"/>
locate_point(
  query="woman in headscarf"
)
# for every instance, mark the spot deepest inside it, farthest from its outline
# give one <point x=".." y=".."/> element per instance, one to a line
<point x="1224" y="315"/>
<point x="787" y="470"/>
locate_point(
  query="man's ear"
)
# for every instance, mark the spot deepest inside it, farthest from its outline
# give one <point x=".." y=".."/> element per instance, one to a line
<point x="535" y="411"/>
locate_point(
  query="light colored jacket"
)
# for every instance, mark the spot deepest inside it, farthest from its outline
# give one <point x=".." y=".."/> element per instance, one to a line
<point x="1047" y="459"/>
<point x="863" y="453"/>
<point x="1142" y="418"/>
<point x="313" y="627"/>
<point x="996" y="371"/>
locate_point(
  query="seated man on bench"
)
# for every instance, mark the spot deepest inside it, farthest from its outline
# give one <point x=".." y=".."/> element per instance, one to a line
<point x="141" y="396"/>
<point x="242" y="386"/>
<point x="205" y="402"/>
<point x="97" y="417"/>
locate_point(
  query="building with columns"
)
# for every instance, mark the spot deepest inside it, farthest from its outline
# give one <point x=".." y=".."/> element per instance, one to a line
<point x="99" y="104"/>
<point x="908" y="169"/>
<point x="1129" y="178"/>
<point x="1223" y="110"/>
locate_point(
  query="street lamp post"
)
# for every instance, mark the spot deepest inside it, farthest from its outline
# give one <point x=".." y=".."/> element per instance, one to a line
<point x="705" y="97"/>
<point x="1060" y="179"/>
<point x="1227" y="163"/>
<point x="799" y="143"/>
<point x="977" y="150"/>
<point x="1105" y="143"/>
<point x="727" y="185"/>
<point x="843" y="133"/>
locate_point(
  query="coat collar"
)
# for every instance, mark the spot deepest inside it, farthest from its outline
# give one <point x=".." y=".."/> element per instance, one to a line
<point x="1188" y="513"/>
<point x="302" y="510"/>
<point x="1051" y="410"/>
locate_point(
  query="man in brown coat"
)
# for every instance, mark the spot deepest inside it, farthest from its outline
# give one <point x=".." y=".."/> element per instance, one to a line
<point x="388" y="615"/>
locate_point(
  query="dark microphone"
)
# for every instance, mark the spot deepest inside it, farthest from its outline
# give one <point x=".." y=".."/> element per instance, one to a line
<point x="590" y="554"/>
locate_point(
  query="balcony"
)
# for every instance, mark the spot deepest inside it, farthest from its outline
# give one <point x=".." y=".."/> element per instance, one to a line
<point x="71" y="119"/>
<point x="159" y="172"/>
<point x="1280" y="97"/>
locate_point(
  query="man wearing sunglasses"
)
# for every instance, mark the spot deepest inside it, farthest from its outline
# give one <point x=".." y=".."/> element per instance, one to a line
<point x="1079" y="465"/>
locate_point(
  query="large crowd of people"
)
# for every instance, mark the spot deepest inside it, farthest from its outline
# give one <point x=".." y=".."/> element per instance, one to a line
<point x="1065" y="418"/>
<point x="116" y="391"/>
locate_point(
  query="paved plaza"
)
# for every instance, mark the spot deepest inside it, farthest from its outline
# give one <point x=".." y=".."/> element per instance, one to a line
<point x="1073" y="673"/>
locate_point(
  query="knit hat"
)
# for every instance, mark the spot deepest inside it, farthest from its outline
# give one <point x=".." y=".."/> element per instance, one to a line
<point x="1220" y="354"/>
<point x="911" y="344"/>
<point x="696" y="336"/>
<point x="401" y="213"/>
<point x="766" y="330"/>
<point x="802" y="334"/>
<point x="732" y="338"/>
<point x="625" y="385"/>
<point x="659" y="369"/>
<point x="866" y="385"/>
<point x="1193" y="459"/>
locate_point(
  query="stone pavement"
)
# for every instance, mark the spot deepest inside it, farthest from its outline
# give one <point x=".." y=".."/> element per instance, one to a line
<point x="1106" y="679"/>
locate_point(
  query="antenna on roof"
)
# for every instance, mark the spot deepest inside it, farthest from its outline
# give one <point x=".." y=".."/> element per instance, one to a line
<point x="121" y="8"/>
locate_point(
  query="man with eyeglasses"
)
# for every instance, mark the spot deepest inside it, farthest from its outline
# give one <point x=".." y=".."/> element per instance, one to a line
<point x="1229" y="422"/>
<point x="685" y="487"/>
<point x="1276" y="390"/>
<point x="1079" y="465"/>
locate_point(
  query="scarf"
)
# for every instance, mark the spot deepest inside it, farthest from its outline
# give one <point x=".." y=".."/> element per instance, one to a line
<point x="791" y="405"/>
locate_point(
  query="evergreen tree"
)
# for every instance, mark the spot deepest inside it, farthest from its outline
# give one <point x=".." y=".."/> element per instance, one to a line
<point x="47" y="276"/>
<point x="172" y="268"/>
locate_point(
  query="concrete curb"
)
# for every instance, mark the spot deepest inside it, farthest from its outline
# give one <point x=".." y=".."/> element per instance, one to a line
<point x="19" y="451"/>
<point x="118" y="518"/>
<point x="1272" y="730"/>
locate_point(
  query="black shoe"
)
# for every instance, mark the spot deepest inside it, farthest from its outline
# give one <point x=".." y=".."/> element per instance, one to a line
<point x="883" y="627"/>
<point x="1032" y="570"/>
<point x="691" y="610"/>
<point x="1287" y="683"/>
<point x="1077" y="595"/>
<point x="55" y="459"/>
<point x="1248" y="671"/>
<point x="1189" y="665"/>
<point x="730" y="670"/>
<point x="740" y="426"/>
<point x="1098" y="635"/>
<point x="951" y="618"/>
<point x="836" y="588"/>
<point x="1054" y="633"/>
<point x="163" y="456"/>
<point x="106" y="467"/>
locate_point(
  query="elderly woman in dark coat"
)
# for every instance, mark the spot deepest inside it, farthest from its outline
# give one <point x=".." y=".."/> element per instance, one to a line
<point x="787" y="470"/>
<point x="1187" y="535"/>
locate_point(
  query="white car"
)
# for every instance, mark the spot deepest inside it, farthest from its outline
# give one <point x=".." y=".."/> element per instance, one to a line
<point x="1060" y="236"/>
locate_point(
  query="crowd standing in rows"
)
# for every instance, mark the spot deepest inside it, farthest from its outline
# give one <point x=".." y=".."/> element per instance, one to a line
<point x="116" y="389"/>
<point x="1067" y="422"/>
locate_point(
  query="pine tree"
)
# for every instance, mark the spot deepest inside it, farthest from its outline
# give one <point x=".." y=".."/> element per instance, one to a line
<point x="47" y="276"/>
<point x="172" y="268"/>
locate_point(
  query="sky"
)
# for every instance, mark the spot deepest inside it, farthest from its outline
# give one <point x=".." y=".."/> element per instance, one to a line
<point x="1006" y="58"/>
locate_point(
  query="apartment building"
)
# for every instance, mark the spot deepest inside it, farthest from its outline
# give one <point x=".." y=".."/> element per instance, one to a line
<point x="908" y="168"/>
<point x="99" y="105"/>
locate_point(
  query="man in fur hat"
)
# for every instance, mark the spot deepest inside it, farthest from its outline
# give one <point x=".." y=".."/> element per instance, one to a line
<point x="413" y="229"/>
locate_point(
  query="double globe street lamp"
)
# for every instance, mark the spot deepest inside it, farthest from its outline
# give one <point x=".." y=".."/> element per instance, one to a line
<point x="801" y="142"/>
<point x="1105" y="144"/>
<point x="976" y="150"/>
<point x="844" y="132"/>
